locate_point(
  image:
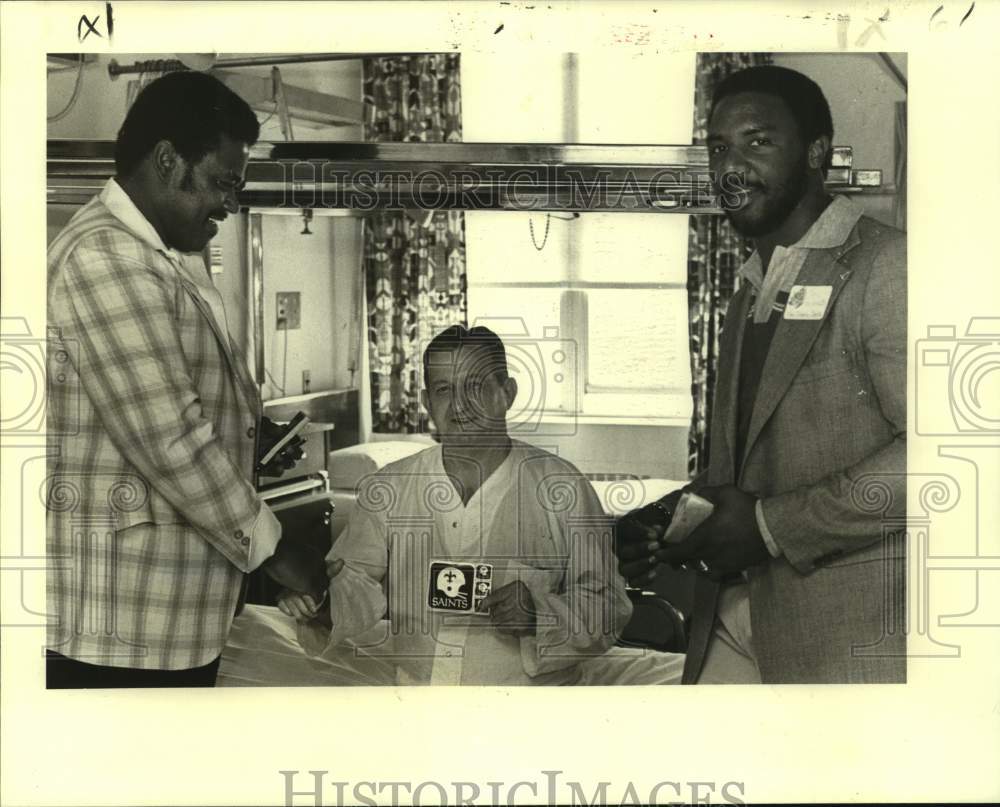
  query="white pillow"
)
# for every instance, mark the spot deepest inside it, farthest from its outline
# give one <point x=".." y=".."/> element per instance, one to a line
<point x="347" y="466"/>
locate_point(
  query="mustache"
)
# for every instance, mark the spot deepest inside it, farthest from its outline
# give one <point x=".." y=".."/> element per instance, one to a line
<point x="733" y="188"/>
<point x="738" y="183"/>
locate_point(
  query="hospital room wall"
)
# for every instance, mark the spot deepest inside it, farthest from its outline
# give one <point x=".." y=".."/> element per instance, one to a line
<point x="654" y="451"/>
<point x="862" y="94"/>
<point x="323" y="267"/>
<point x="100" y="107"/>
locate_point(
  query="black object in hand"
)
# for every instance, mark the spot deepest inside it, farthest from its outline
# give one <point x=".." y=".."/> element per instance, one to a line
<point x="280" y="446"/>
<point x="637" y="536"/>
<point x="648" y="523"/>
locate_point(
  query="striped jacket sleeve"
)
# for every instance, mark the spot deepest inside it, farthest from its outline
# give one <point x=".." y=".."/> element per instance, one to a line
<point x="134" y="370"/>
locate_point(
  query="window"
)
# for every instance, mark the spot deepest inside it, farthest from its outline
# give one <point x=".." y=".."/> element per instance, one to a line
<point x="606" y="294"/>
<point x="596" y="320"/>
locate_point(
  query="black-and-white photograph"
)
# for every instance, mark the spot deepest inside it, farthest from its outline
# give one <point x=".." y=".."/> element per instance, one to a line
<point x="368" y="366"/>
<point x="426" y="368"/>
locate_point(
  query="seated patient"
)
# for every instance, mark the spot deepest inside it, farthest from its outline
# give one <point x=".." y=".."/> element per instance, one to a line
<point x="492" y="559"/>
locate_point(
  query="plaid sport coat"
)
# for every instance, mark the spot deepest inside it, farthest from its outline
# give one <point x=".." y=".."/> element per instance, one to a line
<point x="152" y="428"/>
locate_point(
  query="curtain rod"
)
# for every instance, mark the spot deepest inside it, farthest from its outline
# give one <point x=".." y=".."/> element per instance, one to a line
<point x="165" y="65"/>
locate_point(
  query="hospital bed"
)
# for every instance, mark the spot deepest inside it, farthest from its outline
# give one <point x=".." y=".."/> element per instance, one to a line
<point x="263" y="650"/>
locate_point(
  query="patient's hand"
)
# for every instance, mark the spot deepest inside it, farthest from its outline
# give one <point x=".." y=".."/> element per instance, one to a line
<point x="300" y="607"/>
<point x="306" y="607"/>
<point x="512" y="610"/>
<point x="637" y="539"/>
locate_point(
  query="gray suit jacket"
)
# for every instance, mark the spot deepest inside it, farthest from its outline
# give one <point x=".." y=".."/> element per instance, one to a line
<point x="826" y="453"/>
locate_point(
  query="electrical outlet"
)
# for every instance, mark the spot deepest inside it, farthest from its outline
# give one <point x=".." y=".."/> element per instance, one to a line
<point x="288" y="310"/>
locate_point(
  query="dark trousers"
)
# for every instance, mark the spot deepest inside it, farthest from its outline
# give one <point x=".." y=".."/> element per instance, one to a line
<point x="62" y="672"/>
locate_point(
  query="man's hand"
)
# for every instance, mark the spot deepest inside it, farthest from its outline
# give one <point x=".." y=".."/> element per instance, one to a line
<point x="305" y="607"/>
<point x="297" y="567"/>
<point x="512" y="610"/>
<point x="725" y="543"/>
<point x="637" y="539"/>
<point x="300" y="607"/>
<point x="270" y="433"/>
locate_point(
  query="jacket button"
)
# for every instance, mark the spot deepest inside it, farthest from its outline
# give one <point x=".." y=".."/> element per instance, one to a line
<point x="245" y="541"/>
<point x="239" y="534"/>
<point x="251" y="432"/>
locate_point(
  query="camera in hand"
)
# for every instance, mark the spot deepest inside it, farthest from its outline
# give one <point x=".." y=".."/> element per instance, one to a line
<point x="297" y="424"/>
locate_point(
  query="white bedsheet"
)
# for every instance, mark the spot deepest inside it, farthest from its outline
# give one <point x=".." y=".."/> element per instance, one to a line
<point x="262" y="651"/>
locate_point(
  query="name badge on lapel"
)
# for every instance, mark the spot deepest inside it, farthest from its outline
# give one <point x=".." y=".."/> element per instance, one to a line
<point x="807" y="302"/>
<point x="458" y="587"/>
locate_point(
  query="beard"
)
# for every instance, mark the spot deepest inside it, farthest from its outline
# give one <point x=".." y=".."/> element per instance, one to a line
<point x="768" y="206"/>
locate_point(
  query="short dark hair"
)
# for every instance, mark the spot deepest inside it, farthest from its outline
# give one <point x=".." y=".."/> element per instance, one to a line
<point x="189" y="109"/>
<point x="480" y="337"/>
<point x="801" y="95"/>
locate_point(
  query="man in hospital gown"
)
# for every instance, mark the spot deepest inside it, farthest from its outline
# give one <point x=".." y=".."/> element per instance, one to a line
<point x="481" y="560"/>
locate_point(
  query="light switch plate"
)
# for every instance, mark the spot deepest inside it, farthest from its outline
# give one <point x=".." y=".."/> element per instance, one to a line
<point x="288" y="310"/>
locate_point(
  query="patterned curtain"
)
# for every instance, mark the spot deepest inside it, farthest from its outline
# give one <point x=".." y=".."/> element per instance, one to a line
<point x="414" y="261"/>
<point x="715" y="252"/>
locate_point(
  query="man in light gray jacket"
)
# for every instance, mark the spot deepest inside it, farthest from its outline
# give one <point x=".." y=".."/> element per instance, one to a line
<point x="802" y="563"/>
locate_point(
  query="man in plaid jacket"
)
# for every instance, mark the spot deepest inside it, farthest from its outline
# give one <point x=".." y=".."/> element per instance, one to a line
<point x="154" y="418"/>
